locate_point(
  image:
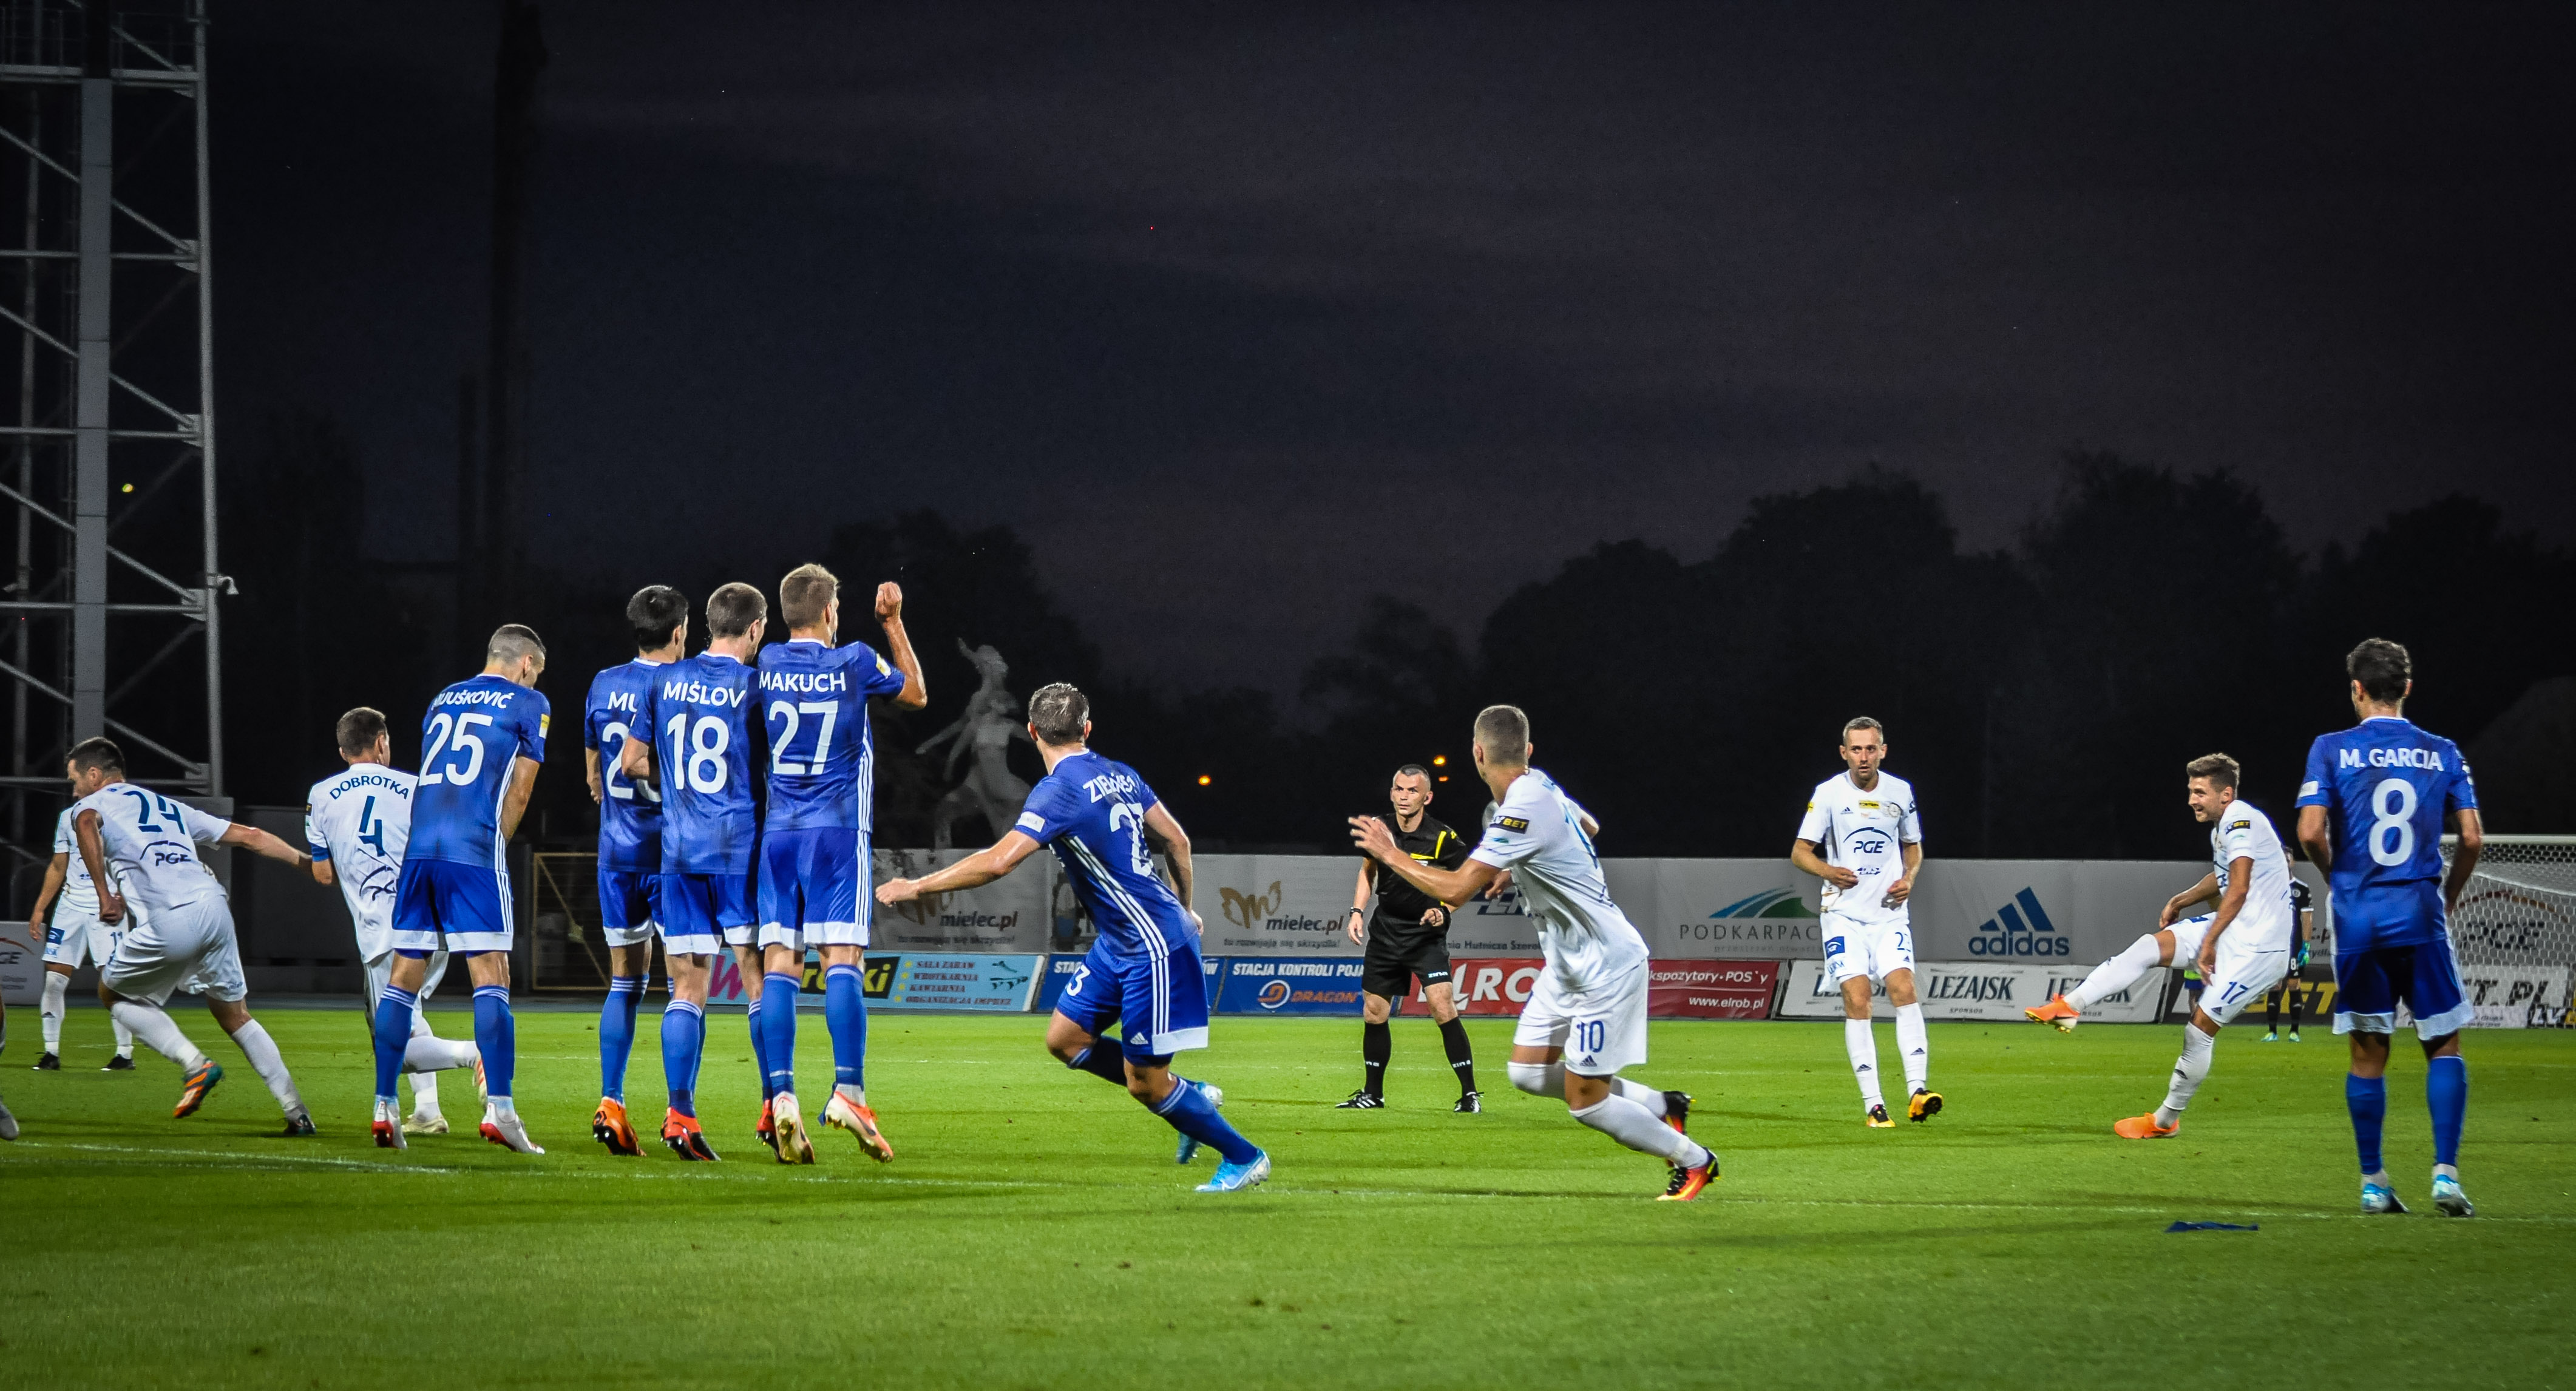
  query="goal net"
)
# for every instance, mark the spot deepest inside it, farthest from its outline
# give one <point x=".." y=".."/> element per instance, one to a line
<point x="2515" y="930"/>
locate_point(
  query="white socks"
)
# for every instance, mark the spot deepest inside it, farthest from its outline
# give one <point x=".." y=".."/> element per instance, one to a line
<point x="855" y="1095"/>
<point x="1863" y="1051"/>
<point x="1913" y="1046"/>
<point x="2192" y="1066"/>
<point x="257" y="1046"/>
<point x="1632" y="1125"/>
<point x="2116" y="974"/>
<point x="1641" y="1094"/>
<point x="159" y="1032"/>
<point x="52" y="1010"/>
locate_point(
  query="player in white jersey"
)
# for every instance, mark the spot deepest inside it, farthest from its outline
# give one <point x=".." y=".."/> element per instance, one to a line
<point x="1863" y="836"/>
<point x="74" y="933"/>
<point x="1586" y="1016"/>
<point x="2242" y="947"/>
<point x="357" y="825"/>
<point x="185" y="936"/>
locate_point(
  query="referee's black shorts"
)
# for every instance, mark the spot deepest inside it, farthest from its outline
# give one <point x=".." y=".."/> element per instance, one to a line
<point x="1398" y="952"/>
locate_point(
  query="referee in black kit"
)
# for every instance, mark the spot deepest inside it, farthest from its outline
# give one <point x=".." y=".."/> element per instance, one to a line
<point x="1408" y="937"/>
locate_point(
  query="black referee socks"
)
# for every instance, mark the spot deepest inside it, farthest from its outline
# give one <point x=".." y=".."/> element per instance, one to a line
<point x="1377" y="1044"/>
<point x="1462" y="1059"/>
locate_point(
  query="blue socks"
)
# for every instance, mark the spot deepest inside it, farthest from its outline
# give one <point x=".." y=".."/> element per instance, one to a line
<point x="759" y="1049"/>
<point x="394" y="1010"/>
<point x="845" y="1013"/>
<point x="617" y="1034"/>
<point x="2367" y="1099"/>
<point x="495" y="1033"/>
<point x="778" y="1027"/>
<point x="684" y="1038"/>
<point x="2446" y="1091"/>
<point x="1191" y="1113"/>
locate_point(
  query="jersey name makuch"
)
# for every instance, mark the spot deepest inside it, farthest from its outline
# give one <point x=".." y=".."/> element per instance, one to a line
<point x="805" y="682"/>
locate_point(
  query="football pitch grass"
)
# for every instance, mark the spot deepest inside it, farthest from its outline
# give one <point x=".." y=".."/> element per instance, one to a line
<point x="1033" y="1230"/>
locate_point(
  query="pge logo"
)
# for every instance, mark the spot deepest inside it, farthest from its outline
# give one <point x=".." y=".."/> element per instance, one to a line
<point x="1869" y="842"/>
<point x="1274" y="994"/>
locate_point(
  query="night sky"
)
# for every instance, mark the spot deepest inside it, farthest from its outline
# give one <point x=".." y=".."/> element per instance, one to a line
<point x="1241" y="318"/>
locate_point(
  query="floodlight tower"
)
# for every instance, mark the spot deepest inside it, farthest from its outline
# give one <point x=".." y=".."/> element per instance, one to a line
<point x="106" y="300"/>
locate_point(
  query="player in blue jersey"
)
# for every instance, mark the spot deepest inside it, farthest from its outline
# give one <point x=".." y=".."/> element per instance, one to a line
<point x="630" y="840"/>
<point x="814" y="854"/>
<point x="2371" y="813"/>
<point x="1143" y="972"/>
<point x="705" y="758"/>
<point x="480" y="748"/>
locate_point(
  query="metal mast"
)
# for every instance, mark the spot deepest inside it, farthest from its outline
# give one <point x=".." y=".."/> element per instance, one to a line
<point x="107" y="300"/>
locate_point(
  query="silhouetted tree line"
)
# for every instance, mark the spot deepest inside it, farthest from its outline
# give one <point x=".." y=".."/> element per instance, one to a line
<point x="2043" y="699"/>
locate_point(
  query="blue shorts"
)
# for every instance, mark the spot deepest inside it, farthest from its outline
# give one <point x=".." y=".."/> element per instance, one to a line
<point x="629" y="902"/>
<point x="1162" y="996"/>
<point x="815" y="888"/>
<point x="442" y="904"/>
<point x="2370" y="984"/>
<point x="703" y="913"/>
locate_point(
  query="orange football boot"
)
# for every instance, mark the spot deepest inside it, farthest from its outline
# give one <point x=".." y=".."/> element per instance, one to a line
<point x="608" y="1125"/>
<point x="2056" y="1012"/>
<point x="2144" y="1128"/>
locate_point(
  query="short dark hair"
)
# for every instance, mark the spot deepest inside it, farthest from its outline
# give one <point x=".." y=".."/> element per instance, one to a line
<point x="511" y="641"/>
<point x="1502" y="731"/>
<point x="733" y="608"/>
<point x="1862" y="722"/>
<point x="98" y="751"/>
<point x="2221" y="770"/>
<point x="2382" y="667"/>
<point x="1415" y="769"/>
<point x="806" y="595"/>
<point x="1058" y="713"/>
<point x="655" y="613"/>
<point x="359" y="730"/>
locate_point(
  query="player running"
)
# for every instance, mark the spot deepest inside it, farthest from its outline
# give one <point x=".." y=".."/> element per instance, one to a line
<point x="2371" y="814"/>
<point x="701" y="758"/>
<point x="1143" y="970"/>
<point x="2300" y="916"/>
<point x="815" y="861"/>
<point x="1586" y="1015"/>
<point x="357" y="825"/>
<point x="185" y="936"/>
<point x="2242" y="948"/>
<point x="1408" y="937"/>
<point x="74" y="932"/>
<point x="630" y="840"/>
<point x="1863" y="836"/>
<point x="480" y="748"/>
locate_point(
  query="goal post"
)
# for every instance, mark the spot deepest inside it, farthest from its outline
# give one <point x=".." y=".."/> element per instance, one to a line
<point x="2514" y="931"/>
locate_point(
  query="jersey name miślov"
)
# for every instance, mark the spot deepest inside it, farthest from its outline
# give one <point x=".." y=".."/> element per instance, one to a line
<point x="360" y="822"/>
<point x="1537" y="833"/>
<point x="470" y="744"/>
<point x="1865" y="832"/>
<point x="1091" y="812"/>
<point x="822" y="761"/>
<point x="152" y="841"/>
<point x="630" y="813"/>
<point x="701" y="709"/>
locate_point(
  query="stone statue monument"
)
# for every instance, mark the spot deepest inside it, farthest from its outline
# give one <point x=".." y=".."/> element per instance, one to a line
<point x="991" y="721"/>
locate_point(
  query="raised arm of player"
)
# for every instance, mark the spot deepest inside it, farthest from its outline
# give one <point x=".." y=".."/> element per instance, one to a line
<point x="56" y="872"/>
<point x="976" y="870"/>
<point x="2240" y="881"/>
<point x="2201" y="892"/>
<point x="914" y="694"/>
<point x="1802" y="853"/>
<point x="2464" y="860"/>
<point x="1168" y="837"/>
<point x="111" y="904"/>
<point x="261" y="843"/>
<point x="1447" y="885"/>
<point x="514" y="803"/>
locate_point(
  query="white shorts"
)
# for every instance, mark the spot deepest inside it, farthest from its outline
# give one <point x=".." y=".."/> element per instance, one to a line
<point x="2243" y="974"/>
<point x="1601" y="1030"/>
<point x="190" y="947"/>
<point x="76" y="936"/>
<point x="380" y="971"/>
<point x="1872" y="947"/>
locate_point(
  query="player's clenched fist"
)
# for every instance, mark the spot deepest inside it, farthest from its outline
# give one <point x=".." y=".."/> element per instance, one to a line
<point x="889" y="602"/>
